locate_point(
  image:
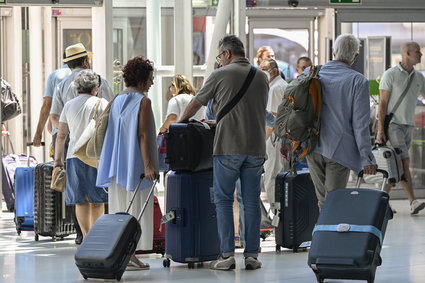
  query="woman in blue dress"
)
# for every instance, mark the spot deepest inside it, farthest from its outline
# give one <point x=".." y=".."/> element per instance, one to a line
<point x="129" y="150"/>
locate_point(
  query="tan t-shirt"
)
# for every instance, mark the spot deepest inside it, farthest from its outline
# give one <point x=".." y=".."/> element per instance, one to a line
<point x="242" y="130"/>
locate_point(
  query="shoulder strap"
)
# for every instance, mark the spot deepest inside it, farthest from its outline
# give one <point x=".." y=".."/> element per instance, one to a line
<point x="95" y="108"/>
<point x="400" y="99"/>
<point x="232" y="103"/>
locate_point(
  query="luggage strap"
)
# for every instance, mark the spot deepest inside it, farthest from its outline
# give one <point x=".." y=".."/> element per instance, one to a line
<point x="343" y="227"/>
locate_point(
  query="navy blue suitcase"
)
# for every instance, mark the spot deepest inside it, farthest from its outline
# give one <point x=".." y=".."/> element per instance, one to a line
<point x="24" y="199"/>
<point x="348" y="237"/>
<point x="191" y="234"/>
<point x="298" y="210"/>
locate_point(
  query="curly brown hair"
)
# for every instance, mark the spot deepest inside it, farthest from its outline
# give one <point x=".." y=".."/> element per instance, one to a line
<point x="137" y="71"/>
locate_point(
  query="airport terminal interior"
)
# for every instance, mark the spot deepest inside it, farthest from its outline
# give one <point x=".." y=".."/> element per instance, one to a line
<point x="181" y="37"/>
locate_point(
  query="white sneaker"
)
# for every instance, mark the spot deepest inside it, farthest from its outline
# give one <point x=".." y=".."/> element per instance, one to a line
<point x="223" y="263"/>
<point x="416" y="206"/>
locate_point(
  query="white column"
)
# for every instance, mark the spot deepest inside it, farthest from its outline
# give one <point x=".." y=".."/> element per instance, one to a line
<point x="153" y="34"/>
<point x="183" y="47"/>
<point x="221" y="20"/>
<point x="239" y="21"/>
<point x="102" y="40"/>
<point x="49" y="66"/>
<point x="36" y="73"/>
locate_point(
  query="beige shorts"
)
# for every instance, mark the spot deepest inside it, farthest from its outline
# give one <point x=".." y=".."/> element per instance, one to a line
<point x="400" y="136"/>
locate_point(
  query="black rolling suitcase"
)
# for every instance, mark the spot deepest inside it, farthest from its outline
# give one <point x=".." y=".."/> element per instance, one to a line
<point x="348" y="237"/>
<point x="190" y="146"/>
<point x="52" y="218"/>
<point x="107" y="248"/>
<point x="297" y="208"/>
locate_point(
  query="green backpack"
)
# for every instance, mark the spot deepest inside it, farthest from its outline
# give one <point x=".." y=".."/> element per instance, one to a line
<point x="298" y="116"/>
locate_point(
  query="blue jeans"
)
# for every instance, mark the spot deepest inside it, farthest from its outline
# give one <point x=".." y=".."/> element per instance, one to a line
<point x="227" y="169"/>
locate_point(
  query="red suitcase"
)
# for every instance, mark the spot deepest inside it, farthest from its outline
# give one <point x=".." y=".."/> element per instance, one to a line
<point x="158" y="231"/>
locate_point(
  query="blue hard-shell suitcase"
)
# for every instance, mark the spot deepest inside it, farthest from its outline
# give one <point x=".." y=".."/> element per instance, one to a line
<point x="24" y="199"/>
<point x="191" y="235"/>
<point x="349" y="234"/>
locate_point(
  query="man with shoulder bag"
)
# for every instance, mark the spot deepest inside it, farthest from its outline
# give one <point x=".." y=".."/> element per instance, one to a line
<point x="399" y="89"/>
<point x="239" y="93"/>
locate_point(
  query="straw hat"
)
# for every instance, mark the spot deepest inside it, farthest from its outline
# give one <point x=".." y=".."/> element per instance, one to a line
<point x="75" y="51"/>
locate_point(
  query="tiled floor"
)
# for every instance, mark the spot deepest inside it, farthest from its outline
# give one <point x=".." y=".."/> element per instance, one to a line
<point x="24" y="260"/>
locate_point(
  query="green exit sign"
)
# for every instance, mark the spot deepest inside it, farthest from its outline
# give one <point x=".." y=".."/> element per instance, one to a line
<point x="2" y="1"/>
<point x="345" y="1"/>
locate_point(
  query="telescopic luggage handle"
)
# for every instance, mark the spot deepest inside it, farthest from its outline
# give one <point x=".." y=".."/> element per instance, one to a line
<point x="147" y="199"/>
<point x="384" y="175"/>
<point x="28" y="151"/>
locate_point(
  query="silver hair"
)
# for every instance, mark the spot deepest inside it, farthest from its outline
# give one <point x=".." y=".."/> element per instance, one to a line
<point x="346" y="47"/>
<point x="85" y="81"/>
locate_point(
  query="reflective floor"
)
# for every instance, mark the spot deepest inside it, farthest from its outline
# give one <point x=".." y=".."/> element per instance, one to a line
<point x="24" y="260"/>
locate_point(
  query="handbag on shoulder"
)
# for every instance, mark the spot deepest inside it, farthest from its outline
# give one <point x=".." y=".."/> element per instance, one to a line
<point x="80" y="148"/>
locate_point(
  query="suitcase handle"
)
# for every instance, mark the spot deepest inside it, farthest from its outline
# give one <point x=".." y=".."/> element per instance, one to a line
<point x="147" y="200"/>
<point x="384" y="175"/>
<point x="28" y="150"/>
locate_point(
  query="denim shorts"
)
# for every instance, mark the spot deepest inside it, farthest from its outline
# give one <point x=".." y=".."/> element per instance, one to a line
<point x="81" y="184"/>
<point x="400" y="136"/>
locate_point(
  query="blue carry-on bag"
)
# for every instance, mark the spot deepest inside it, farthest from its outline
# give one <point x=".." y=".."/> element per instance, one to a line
<point x="24" y="196"/>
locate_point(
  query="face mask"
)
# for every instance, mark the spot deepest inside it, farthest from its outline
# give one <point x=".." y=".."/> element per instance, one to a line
<point x="267" y="74"/>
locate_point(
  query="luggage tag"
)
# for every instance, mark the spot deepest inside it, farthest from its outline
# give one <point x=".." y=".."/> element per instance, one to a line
<point x="168" y="217"/>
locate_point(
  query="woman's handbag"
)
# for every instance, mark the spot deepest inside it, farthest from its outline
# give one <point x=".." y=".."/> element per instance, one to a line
<point x="80" y="147"/>
<point x="95" y="143"/>
<point x="58" y="179"/>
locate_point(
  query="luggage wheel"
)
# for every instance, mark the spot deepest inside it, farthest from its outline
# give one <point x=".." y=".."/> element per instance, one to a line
<point x="119" y="278"/>
<point x="200" y="264"/>
<point x="166" y="262"/>
<point x="36" y="237"/>
<point x="19" y="232"/>
<point x="54" y="238"/>
<point x="85" y="277"/>
<point x="319" y="278"/>
<point x="191" y="265"/>
<point x="278" y="248"/>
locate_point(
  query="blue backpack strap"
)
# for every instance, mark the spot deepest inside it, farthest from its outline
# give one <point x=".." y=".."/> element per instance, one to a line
<point x="342" y="228"/>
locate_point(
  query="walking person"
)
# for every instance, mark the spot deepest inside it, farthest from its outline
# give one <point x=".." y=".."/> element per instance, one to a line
<point x="81" y="189"/>
<point x="344" y="142"/>
<point x="398" y="80"/>
<point x="129" y="150"/>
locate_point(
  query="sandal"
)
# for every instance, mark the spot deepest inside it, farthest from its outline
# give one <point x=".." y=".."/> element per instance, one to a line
<point x="137" y="265"/>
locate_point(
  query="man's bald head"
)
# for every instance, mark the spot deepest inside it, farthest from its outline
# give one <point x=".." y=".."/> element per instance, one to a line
<point x="408" y="47"/>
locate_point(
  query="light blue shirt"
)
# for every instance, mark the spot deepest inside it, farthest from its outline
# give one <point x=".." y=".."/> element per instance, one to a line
<point x="121" y="157"/>
<point x="55" y="78"/>
<point x="65" y="91"/>
<point x="344" y="130"/>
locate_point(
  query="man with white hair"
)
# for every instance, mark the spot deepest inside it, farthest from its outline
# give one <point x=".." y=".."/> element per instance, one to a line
<point x="395" y="81"/>
<point x="344" y="131"/>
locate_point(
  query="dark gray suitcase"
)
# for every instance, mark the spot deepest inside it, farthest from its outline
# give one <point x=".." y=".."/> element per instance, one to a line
<point x="297" y="210"/>
<point x="347" y="239"/>
<point x="52" y="218"/>
<point x="190" y="146"/>
<point x="107" y="248"/>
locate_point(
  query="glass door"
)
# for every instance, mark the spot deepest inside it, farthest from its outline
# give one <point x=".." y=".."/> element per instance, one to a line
<point x="289" y="40"/>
